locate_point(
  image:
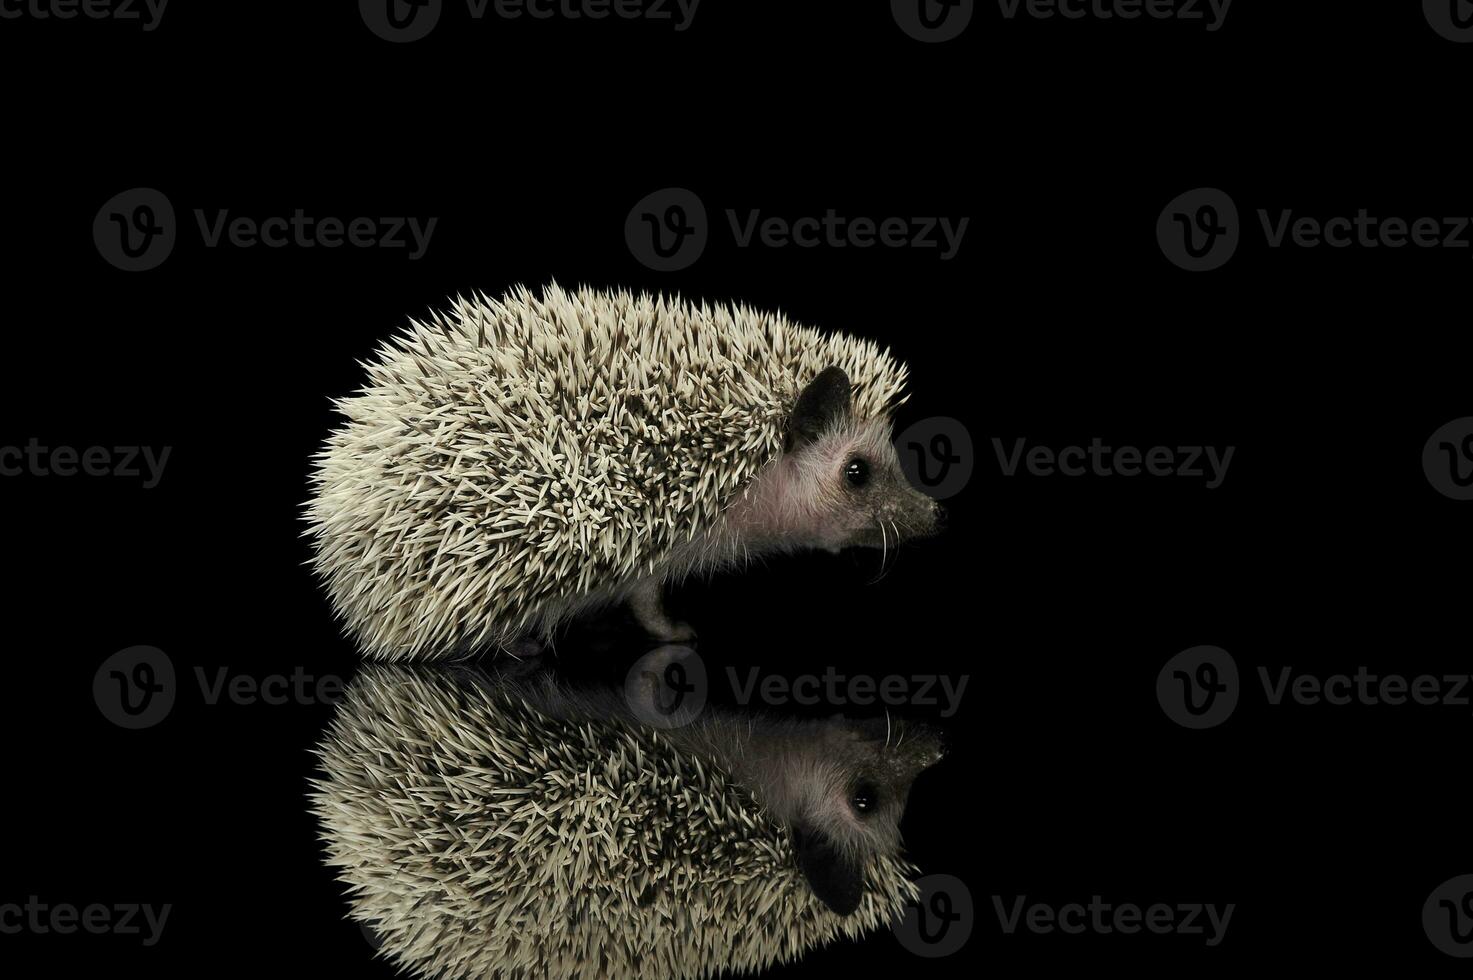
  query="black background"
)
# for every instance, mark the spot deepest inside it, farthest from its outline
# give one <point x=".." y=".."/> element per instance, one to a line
<point x="1058" y="321"/>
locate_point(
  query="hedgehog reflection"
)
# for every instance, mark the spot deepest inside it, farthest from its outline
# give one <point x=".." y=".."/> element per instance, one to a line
<point x="505" y="826"/>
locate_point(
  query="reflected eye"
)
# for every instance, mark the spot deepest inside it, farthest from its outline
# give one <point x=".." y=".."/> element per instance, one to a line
<point x="865" y="799"/>
<point x="856" y="472"/>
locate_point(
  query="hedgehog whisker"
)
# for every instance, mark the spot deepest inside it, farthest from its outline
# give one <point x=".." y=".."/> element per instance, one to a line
<point x="884" y="551"/>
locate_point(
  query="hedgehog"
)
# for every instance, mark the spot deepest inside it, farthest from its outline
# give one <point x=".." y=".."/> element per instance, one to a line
<point x="512" y="463"/>
<point x="488" y="825"/>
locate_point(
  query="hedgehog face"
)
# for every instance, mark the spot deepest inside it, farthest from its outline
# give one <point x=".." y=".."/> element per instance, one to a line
<point x="849" y="473"/>
<point x="877" y="507"/>
<point x="848" y="811"/>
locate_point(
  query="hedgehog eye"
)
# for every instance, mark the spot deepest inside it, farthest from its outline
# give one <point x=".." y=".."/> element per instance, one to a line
<point x="865" y="799"/>
<point x="856" y="471"/>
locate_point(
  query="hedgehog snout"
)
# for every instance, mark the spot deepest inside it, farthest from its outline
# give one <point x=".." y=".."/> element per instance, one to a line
<point x="938" y="517"/>
<point x="916" y="516"/>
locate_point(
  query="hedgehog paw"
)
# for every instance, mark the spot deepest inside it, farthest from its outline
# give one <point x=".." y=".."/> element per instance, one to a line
<point x="649" y="610"/>
<point x="674" y="631"/>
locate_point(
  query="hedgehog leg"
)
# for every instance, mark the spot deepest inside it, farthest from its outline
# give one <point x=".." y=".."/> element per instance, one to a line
<point x="648" y="606"/>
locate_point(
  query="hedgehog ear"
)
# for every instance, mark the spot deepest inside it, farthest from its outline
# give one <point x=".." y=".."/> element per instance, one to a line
<point x="836" y="880"/>
<point x="822" y="404"/>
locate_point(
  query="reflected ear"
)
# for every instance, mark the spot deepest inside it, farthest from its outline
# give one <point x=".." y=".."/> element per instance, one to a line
<point x="836" y="881"/>
<point x="821" y="405"/>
